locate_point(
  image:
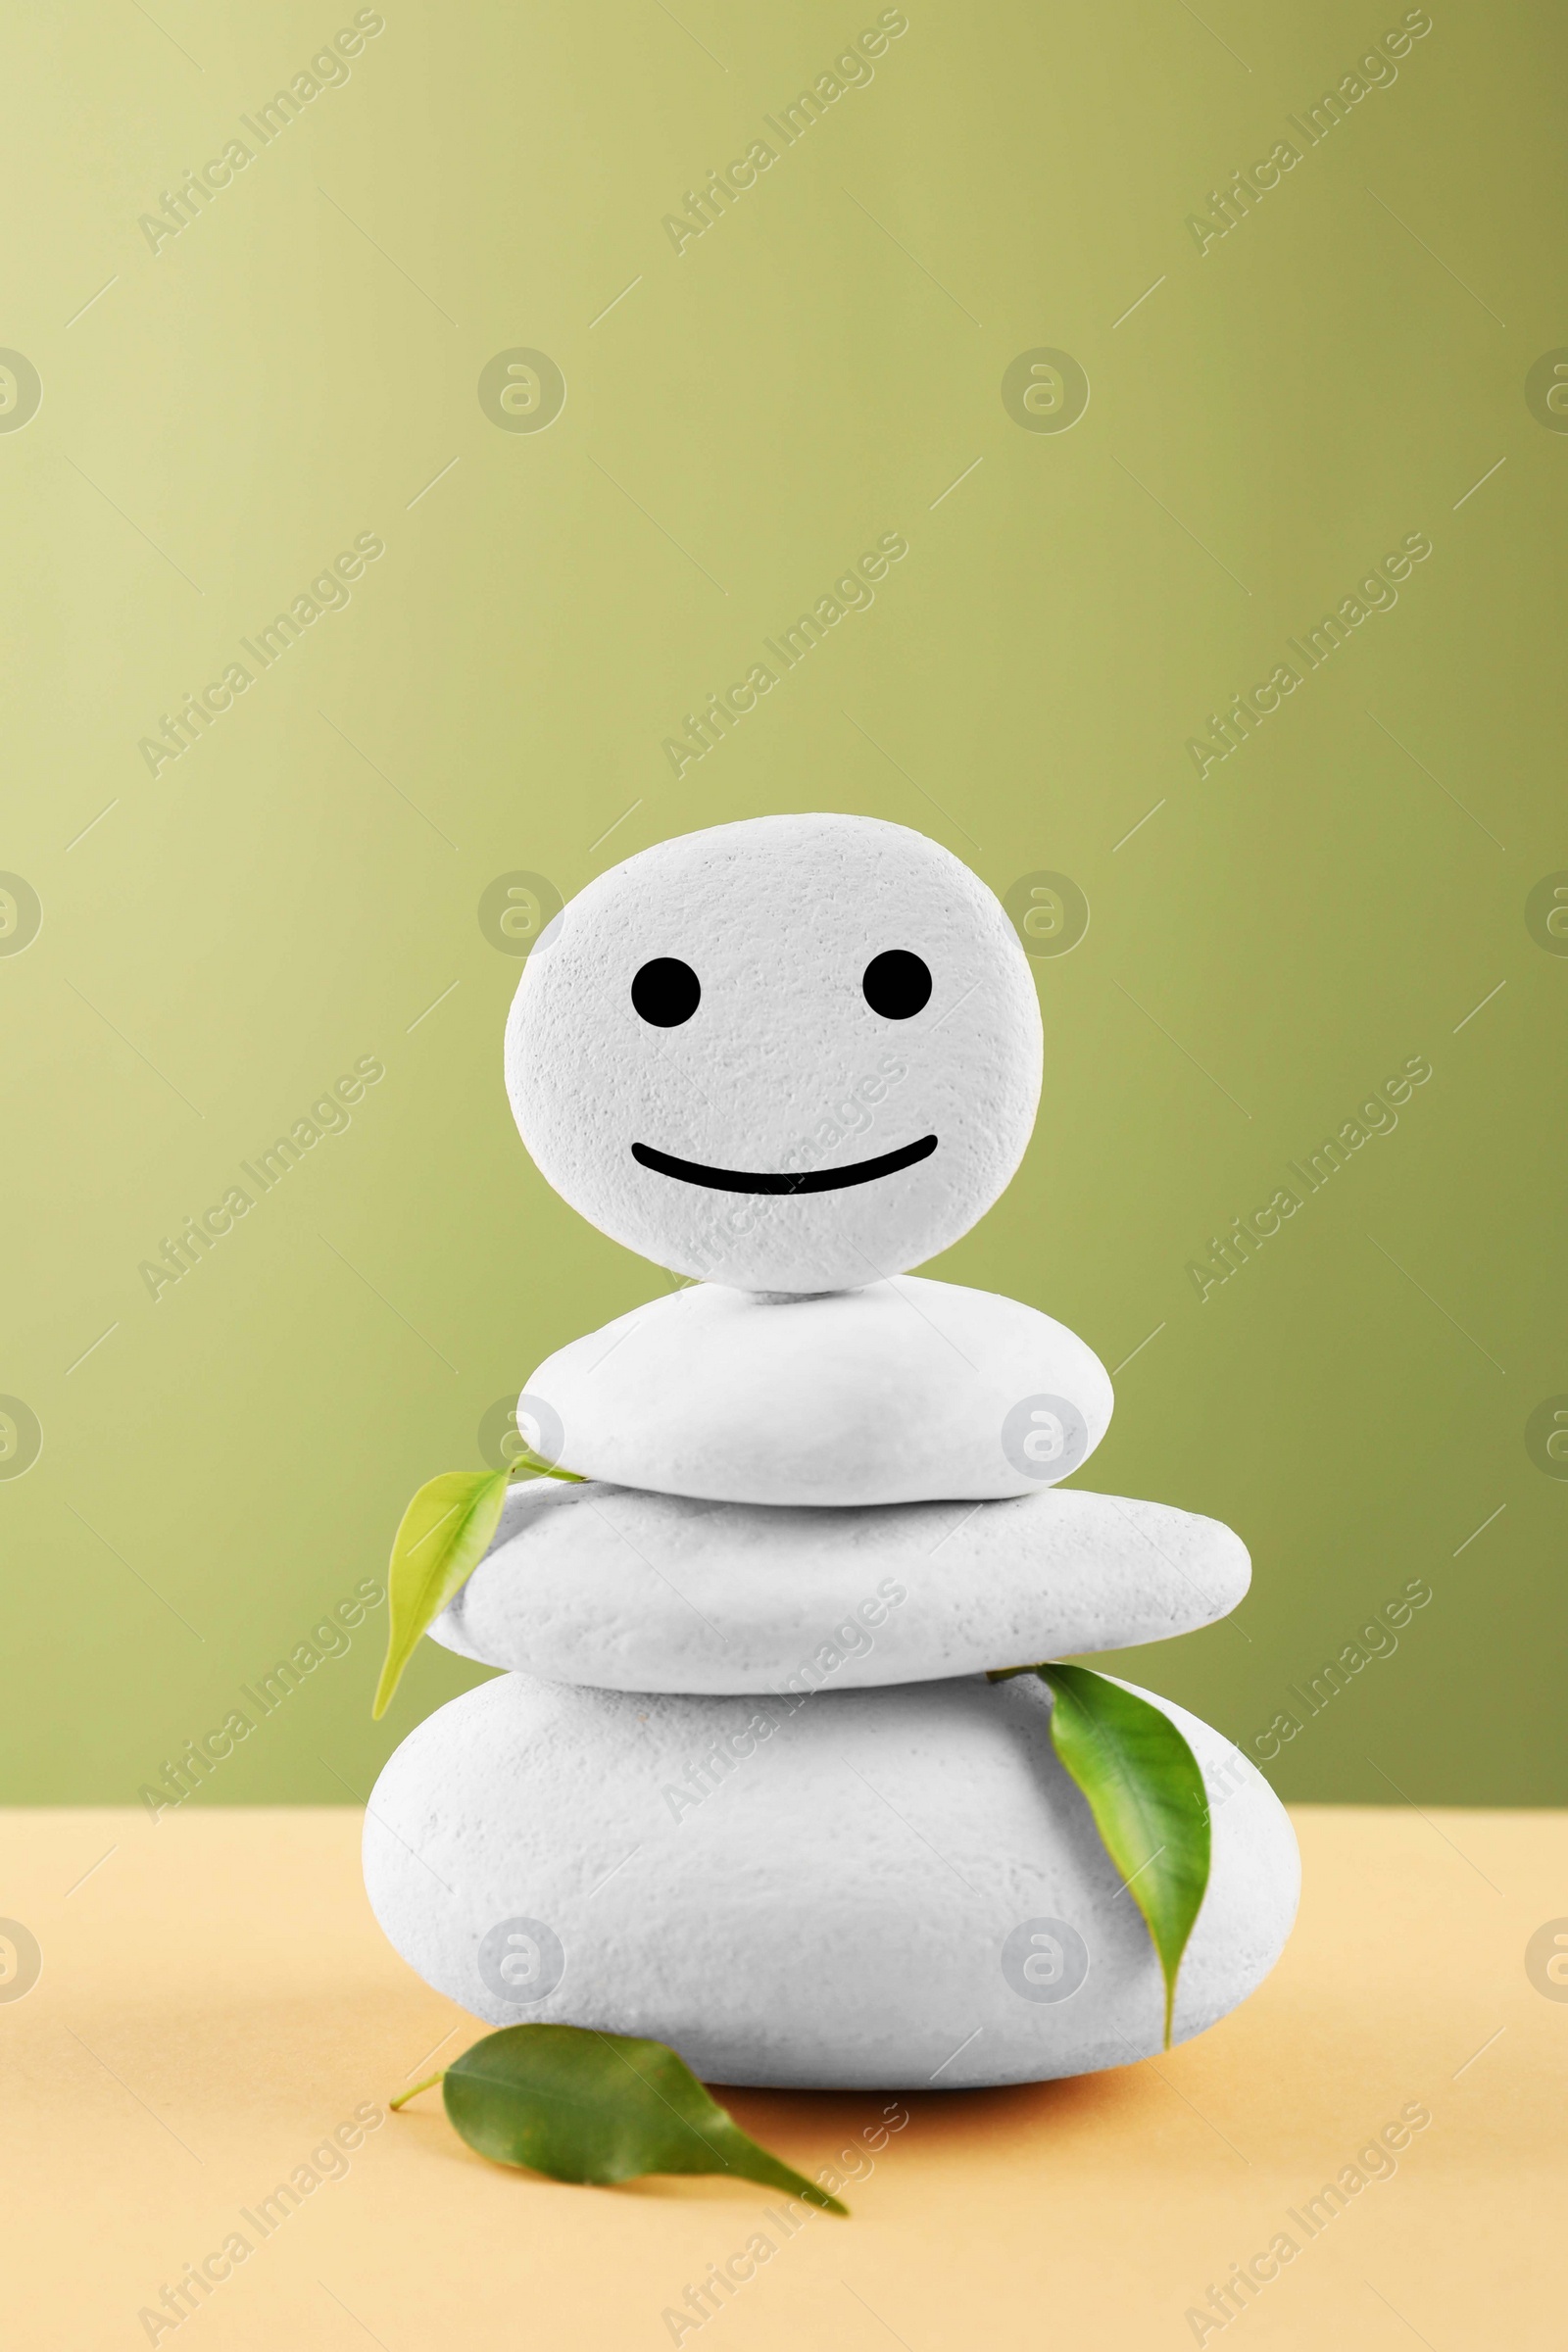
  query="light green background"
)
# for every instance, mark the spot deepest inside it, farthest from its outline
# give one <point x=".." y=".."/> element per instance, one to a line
<point x="300" y="889"/>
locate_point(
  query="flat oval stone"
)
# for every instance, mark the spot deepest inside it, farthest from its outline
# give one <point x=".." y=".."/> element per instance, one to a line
<point x="894" y="1889"/>
<point x="909" y="1390"/>
<point x="640" y="1591"/>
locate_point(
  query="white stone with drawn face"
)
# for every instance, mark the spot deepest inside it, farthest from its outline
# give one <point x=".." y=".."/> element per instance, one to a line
<point x="794" y="1053"/>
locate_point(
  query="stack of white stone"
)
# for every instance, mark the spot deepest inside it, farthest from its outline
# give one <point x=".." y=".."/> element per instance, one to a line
<point x="742" y="1784"/>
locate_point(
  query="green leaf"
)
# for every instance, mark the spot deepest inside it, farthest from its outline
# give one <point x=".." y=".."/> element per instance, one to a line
<point x="1147" y="1795"/>
<point x="582" y="2105"/>
<point x="442" y="1535"/>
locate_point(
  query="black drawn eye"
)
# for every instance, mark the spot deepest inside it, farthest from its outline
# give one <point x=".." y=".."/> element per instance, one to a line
<point x="667" y="992"/>
<point x="896" y="985"/>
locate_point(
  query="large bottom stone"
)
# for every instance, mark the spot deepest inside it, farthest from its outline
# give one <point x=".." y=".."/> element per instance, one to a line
<point x="895" y="1888"/>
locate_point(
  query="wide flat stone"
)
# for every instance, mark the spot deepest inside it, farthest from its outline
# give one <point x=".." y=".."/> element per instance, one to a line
<point x="909" y="1390"/>
<point x="872" y="1889"/>
<point x="639" y="1591"/>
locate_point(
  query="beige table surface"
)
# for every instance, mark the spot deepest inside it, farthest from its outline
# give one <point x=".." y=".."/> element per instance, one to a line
<point x="215" y="1998"/>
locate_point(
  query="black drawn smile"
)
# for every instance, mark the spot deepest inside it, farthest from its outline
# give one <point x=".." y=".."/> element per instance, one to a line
<point x="815" y="1180"/>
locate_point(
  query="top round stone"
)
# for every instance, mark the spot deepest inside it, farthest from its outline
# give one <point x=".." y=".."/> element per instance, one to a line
<point x="795" y="1054"/>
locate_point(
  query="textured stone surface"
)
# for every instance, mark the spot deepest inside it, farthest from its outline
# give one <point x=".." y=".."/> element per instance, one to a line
<point x="881" y="1888"/>
<point x="906" y="1391"/>
<point x="639" y="1591"/>
<point x="784" y="1069"/>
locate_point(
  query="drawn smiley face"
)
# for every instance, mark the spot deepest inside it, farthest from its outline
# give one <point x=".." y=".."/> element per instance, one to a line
<point x="795" y="1054"/>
